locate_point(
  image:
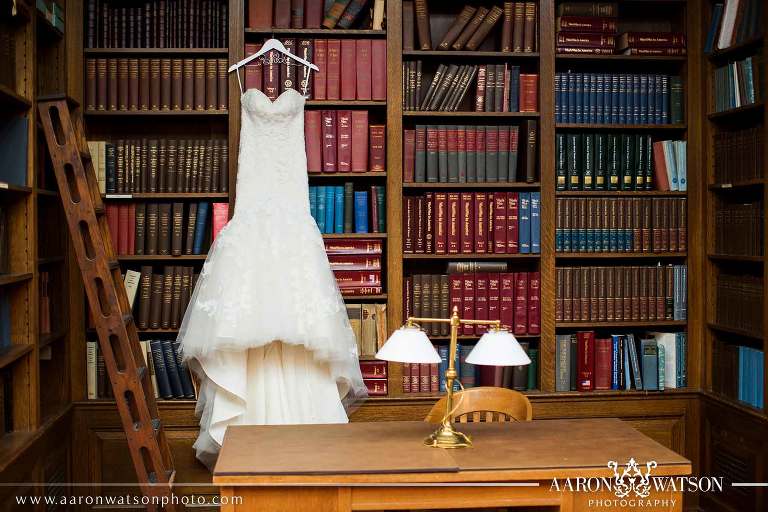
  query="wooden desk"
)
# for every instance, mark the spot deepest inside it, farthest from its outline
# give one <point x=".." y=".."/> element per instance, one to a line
<point x="384" y="466"/>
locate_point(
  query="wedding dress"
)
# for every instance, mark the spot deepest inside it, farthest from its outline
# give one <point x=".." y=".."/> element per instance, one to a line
<point x="266" y="329"/>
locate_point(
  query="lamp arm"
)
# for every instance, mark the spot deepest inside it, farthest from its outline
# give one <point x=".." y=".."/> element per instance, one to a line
<point x="497" y="323"/>
<point x="418" y="320"/>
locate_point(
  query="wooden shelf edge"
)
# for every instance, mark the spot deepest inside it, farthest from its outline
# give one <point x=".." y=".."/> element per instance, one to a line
<point x="361" y="298"/>
<point x="12" y="353"/>
<point x="162" y="257"/>
<point x="736" y="258"/>
<point x="10" y="187"/>
<point x="49" y="261"/>
<point x="47" y="339"/>
<point x="328" y="175"/>
<point x="166" y="195"/>
<point x="621" y="58"/>
<point x="13" y="444"/>
<point x="474" y="256"/>
<point x="617" y="255"/>
<point x="318" y="31"/>
<point x="440" y="113"/>
<point x="756" y="182"/>
<point x="507" y="185"/>
<point x="620" y="193"/>
<point x="595" y="126"/>
<point x="738" y="405"/>
<point x="354" y="235"/>
<point x="726" y="53"/>
<point x="153" y="113"/>
<point x="346" y="103"/>
<point x="629" y="324"/>
<point x="470" y="54"/>
<point x="735" y="331"/>
<point x="12" y="99"/>
<point x="736" y="112"/>
<point x="154" y="51"/>
<point x="9" y="279"/>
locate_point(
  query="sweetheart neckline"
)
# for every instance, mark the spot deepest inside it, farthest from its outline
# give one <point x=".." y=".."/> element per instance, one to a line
<point x="263" y="95"/>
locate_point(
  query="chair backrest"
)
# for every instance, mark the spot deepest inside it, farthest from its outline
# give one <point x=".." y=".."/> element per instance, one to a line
<point x="484" y="404"/>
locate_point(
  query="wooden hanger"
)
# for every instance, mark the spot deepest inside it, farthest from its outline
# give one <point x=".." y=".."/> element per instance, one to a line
<point x="269" y="45"/>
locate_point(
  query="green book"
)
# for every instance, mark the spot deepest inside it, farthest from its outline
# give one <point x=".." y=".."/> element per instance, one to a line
<point x="461" y="150"/>
<point x="573" y="141"/>
<point x="676" y="100"/>
<point x="588" y="161"/>
<point x="349" y="207"/>
<point x="480" y="154"/>
<point x="614" y="149"/>
<point x="442" y="154"/>
<point x="514" y="151"/>
<point x="627" y="158"/>
<point x="381" y="204"/>
<point x="533" y="368"/>
<point x="561" y="166"/>
<point x="453" y="154"/>
<point x="601" y="161"/>
<point x="420" y="158"/>
<point x="470" y="135"/>
<point x="492" y="153"/>
<point x="432" y="153"/>
<point x="648" y="162"/>
<point x="640" y="156"/>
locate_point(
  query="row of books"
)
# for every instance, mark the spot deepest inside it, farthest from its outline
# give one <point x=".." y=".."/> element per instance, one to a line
<point x="162" y="296"/>
<point x="430" y="378"/>
<point x="739" y="155"/>
<point x="498" y="88"/>
<point x="734" y="22"/>
<point x="343" y="141"/>
<point x="739" y="228"/>
<point x="611" y="224"/>
<point x="342" y="209"/>
<point x="472" y="222"/>
<point x="375" y="377"/>
<point x="739" y="373"/>
<point x="168" y="373"/>
<point x="131" y="84"/>
<point x="739" y="302"/>
<point x="470" y="154"/>
<point x="596" y="35"/>
<point x="472" y="27"/>
<point x="621" y="293"/>
<point x="164" y="166"/>
<point x="618" y="98"/>
<point x="349" y="69"/>
<point x="170" y="229"/>
<point x="511" y="297"/>
<point x="167" y="24"/>
<point x="737" y="84"/>
<point x="356" y="263"/>
<point x="369" y="322"/>
<point x="331" y="14"/>
<point x="619" y="161"/>
<point x="655" y="361"/>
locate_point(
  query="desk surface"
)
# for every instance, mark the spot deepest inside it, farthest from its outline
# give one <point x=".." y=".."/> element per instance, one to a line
<point x="302" y="453"/>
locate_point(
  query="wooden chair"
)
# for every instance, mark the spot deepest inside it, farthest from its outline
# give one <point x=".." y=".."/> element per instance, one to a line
<point x="484" y="404"/>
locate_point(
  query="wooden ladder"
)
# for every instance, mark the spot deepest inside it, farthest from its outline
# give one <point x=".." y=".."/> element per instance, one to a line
<point x="111" y="312"/>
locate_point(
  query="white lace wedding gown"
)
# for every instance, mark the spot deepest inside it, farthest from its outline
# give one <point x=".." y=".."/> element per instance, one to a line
<point x="266" y="328"/>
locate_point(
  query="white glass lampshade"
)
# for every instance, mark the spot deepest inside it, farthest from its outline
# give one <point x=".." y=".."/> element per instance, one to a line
<point x="498" y="348"/>
<point x="408" y="345"/>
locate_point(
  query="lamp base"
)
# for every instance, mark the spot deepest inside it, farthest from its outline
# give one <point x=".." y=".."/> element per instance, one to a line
<point x="447" y="437"/>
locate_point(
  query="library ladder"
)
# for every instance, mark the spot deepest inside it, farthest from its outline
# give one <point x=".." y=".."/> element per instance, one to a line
<point x="118" y="339"/>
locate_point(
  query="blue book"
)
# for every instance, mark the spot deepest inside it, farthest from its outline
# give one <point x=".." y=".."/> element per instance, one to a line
<point x="717" y="13"/>
<point x="200" y="222"/>
<point x="443" y="366"/>
<point x="5" y="320"/>
<point x="467" y="370"/>
<point x="637" y="100"/>
<point x="361" y="212"/>
<point x="536" y="222"/>
<point x="652" y="99"/>
<point x="321" y="207"/>
<point x="749" y="81"/>
<point x="627" y="376"/>
<point x="616" y="342"/>
<point x="742" y="374"/>
<point x="622" y="104"/>
<point x="579" y="96"/>
<point x="615" y="100"/>
<point x="664" y="99"/>
<point x="643" y="95"/>
<point x="514" y="88"/>
<point x="600" y="101"/>
<point x="330" y="208"/>
<point x="524" y="222"/>
<point x="338" y="209"/>
<point x="457" y="367"/>
<point x="571" y="92"/>
<point x="313" y="202"/>
<point x="558" y="97"/>
<point x="760" y="377"/>
<point x="592" y="97"/>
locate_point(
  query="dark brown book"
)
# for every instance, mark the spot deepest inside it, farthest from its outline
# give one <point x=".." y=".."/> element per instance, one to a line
<point x="288" y="67"/>
<point x="154" y="84"/>
<point x="156" y="301"/>
<point x="518" y="24"/>
<point x="190" y="228"/>
<point x="455" y="29"/>
<point x="176" y="84"/>
<point x="282" y="13"/>
<point x="145" y="296"/>
<point x="306" y="51"/>
<point x="152" y="168"/>
<point x="133" y="84"/>
<point x="152" y="228"/>
<point x="177" y="229"/>
<point x="90" y="84"/>
<point x="188" y="84"/>
<point x="297" y="13"/>
<point x="165" y="84"/>
<point x="422" y="24"/>
<point x="102" y="79"/>
<point x="333" y="14"/>
<point x="409" y="27"/>
<point x="313" y="13"/>
<point x="529" y="155"/>
<point x="470" y="29"/>
<point x="199" y="84"/>
<point x="506" y="27"/>
<point x="211" y="74"/>
<point x="377" y="153"/>
<point x="112" y="100"/>
<point x="271" y="72"/>
<point x="222" y="96"/>
<point x="167" y="297"/>
<point x="176" y="311"/>
<point x="144" y="84"/>
<point x="529" y="30"/>
<point x="140" y="227"/>
<point x="164" y="229"/>
<point x="122" y="84"/>
<point x="490" y="20"/>
<point x="186" y="276"/>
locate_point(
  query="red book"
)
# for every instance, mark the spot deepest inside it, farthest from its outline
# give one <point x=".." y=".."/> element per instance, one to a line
<point x="429" y="223"/>
<point x="421" y="148"/>
<point x="434" y="378"/>
<point x="377" y="154"/>
<point x="409" y="217"/>
<point x="490" y="217"/>
<point x="354" y="262"/>
<point x="131" y="228"/>
<point x="603" y="367"/>
<point x="585" y="362"/>
<point x="363" y="51"/>
<point x="283" y="14"/>
<point x="259" y="13"/>
<point x="333" y="76"/>
<point x="409" y="155"/>
<point x="329" y="141"/>
<point x="494" y="296"/>
<point x="500" y="222"/>
<point x="344" y="140"/>
<point x="253" y="70"/>
<point x="359" y="141"/>
<point x="414" y="377"/>
<point x="468" y="301"/>
<point x="453" y="222"/>
<point x="512" y="223"/>
<point x="467" y="223"/>
<point x="521" y="302"/>
<point x="113" y="212"/>
<point x="348" y="69"/>
<point x="313" y="14"/>
<point x="507" y="300"/>
<point x="471" y="143"/>
<point x="122" y="229"/>
<point x="356" y="278"/>
<point x="481" y="301"/>
<point x="406" y="377"/>
<point x="660" y="167"/>
<point x="376" y="387"/>
<point x="313" y="137"/>
<point x="441" y="223"/>
<point x="379" y="69"/>
<point x="321" y="60"/>
<point x="481" y="222"/>
<point x="456" y="293"/>
<point x="345" y="246"/>
<point x="529" y="93"/>
<point x="220" y="217"/>
<point x="534" y="302"/>
<point x="421" y="219"/>
<point x="424" y="377"/>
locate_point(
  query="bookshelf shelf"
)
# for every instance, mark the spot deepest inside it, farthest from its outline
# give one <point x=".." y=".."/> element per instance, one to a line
<point x="324" y="32"/>
<point x="345" y="103"/>
<point x="156" y="113"/>
<point x="621" y="58"/>
<point x="155" y="51"/>
<point x="628" y="324"/>
<point x="649" y="127"/>
<point x="757" y="182"/>
<point x="470" y="54"/>
<point x="330" y="175"/>
<point x="47" y="339"/>
<point x="738" y="405"/>
<point x="47" y="193"/>
<point x="494" y="185"/>
<point x="737" y="113"/>
<point x="736" y="258"/>
<point x="162" y="257"/>
<point x="10" y="279"/>
<point x="47" y="27"/>
<point x="9" y="187"/>
<point x="364" y="298"/>
<point x="735" y="331"/>
<point x="50" y="261"/>
<point x="12" y="100"/>
<point x="164" y="195"/>
<point x="735" y="51"/>
<point x="617" y="255"/>
<point x="12" y="353"/>
<point x="619" y="193"/>
<point x="475" y="256"/>
<point x="465" y="337"/>
<point x="431" y="113"/>
<point x="354" y="235"/>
